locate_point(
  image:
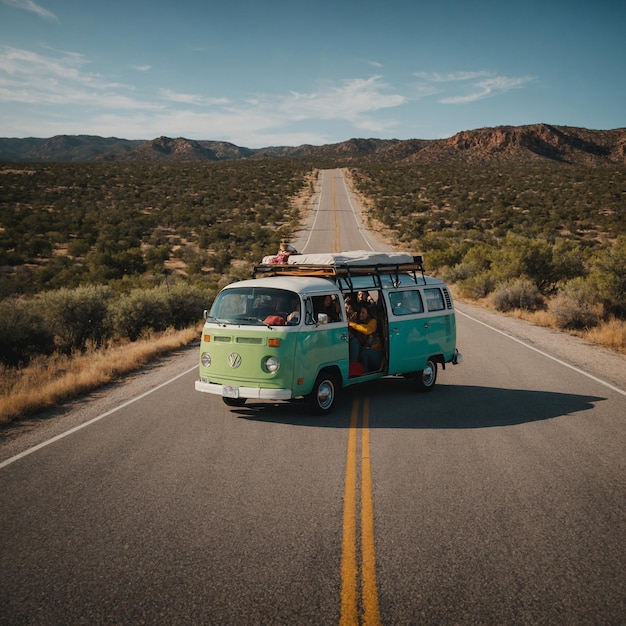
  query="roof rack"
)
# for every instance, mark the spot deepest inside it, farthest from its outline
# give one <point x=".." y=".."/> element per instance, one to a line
<point x="343" y="273"/>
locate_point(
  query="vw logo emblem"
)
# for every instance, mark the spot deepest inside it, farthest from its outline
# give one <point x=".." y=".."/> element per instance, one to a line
<point x="234" y="360"/>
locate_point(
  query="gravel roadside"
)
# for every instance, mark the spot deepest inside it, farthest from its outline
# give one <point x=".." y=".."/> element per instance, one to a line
<point x="597" y="361"/>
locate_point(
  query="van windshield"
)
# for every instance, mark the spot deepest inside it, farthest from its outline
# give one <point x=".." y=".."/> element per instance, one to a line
<point x="256" y="306"/>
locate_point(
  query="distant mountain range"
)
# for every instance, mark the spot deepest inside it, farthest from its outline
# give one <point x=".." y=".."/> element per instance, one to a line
<point x="517" y="144"/>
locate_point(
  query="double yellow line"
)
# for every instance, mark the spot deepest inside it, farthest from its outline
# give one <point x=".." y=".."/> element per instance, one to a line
<point x="368" y="609"/>
<point x="336" y="247"/>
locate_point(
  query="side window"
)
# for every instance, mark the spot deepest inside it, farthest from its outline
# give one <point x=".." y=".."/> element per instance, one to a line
<point x="406" y="302"/>
<point x="434" y="299"/>
<point x="326" y="310"/>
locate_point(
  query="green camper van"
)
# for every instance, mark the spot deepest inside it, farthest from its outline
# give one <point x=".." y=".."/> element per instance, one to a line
<point x="289" y="331"/>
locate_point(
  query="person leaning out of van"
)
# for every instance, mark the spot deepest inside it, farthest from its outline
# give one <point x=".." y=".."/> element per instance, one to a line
<point x="365" y="344"/>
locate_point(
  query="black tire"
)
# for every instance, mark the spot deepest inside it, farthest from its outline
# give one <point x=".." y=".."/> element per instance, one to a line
<point x="324" y="393"/>
<point x="234" y="401"/>
<point x="427" y="378"/>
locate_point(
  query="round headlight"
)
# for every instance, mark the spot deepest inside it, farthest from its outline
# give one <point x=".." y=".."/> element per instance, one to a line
<point x="272" y="364"/>
<point x="205" y="359"/>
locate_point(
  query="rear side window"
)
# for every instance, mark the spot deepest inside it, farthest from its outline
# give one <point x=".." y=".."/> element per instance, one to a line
<point x="434" y="299"/>
<point x="406" y="302"/>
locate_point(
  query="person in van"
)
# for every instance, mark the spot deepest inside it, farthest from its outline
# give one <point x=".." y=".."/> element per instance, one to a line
<point x="365" y="344"/>
<point x="293" y="318"/>
<point x="363" y="297"/>
<point x="330" y="307"/>
<point x="350" y="310"/>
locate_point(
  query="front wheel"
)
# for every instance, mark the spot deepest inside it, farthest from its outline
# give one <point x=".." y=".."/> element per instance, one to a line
<point x="323" y="395"/>
<point x="427" y="378"/>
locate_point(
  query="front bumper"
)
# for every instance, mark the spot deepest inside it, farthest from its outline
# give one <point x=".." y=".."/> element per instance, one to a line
<point x="252" y="393"/>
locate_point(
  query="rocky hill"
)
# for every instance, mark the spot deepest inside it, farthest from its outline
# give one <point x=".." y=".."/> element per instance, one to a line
<point x="516" y="144"/>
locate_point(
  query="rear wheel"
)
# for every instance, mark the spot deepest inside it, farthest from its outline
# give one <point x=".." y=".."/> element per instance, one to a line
<point x="427" y="378"/>
<point x="324" y="393"/>
<point x="234" y="401"/>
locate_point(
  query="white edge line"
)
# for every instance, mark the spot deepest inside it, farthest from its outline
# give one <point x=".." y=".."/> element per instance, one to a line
<point x="317" y="210"/>
<point x="549" y="356"/>
<point x="91" y="421"/>
<point x="359" y="222"/>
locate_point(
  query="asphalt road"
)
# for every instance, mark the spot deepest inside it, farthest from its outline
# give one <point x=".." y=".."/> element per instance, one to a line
<point x="498" y="498"/>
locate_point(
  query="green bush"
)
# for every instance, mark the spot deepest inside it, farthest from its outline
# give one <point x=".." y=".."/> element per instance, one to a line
<point x="609" y="277"/>
<point x="140" y="310"/>
<point x="478" y="286"/>
<point x="518" y="294"/>
<point x="76" y="316"/>
<point x="575" y="307"/>
<point x="23" y="333"/>
<point x="186" y="304"/>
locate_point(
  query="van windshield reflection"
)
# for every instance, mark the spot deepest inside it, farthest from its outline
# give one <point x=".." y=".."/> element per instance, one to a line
<point x="256" y="306"/>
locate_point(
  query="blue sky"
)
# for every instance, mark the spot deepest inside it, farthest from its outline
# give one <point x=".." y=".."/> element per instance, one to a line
<point x="287" y="72"/>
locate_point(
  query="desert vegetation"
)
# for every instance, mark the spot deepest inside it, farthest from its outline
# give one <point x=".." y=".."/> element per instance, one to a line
<point x="529" y="237"/>
<point x="97" y="257"/>
<point x="136" y="224"/>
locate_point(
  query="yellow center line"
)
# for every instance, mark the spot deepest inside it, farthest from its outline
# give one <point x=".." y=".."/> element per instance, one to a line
<point x="349" y="563"/>
<point x="349" y="569"/>
<point x="369" y="592"/>
<point x="336" y="247"/>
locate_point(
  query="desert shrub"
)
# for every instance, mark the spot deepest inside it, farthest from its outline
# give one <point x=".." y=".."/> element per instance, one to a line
<point x="524" y="257"/>
<point x="139" y="310"/>
<point x="186" y="303"/>
<point x="478" y="286"/>
<point x="76" y="316"/>
<point x="23" y="334"/>
<point x="576" y="306"/>
<point x="609" y="277"/>
<point x="520" y="293"/>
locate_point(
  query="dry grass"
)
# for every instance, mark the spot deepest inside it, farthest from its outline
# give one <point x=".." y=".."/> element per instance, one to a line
<point x="60" y="378"/>
<point x="610" y="334"/>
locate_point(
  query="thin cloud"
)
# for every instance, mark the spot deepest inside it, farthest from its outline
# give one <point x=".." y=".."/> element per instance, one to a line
<point x="350" y="101"/>
<point x="488" y="88"/>
<point x="142" y="68"/>
<point x="58" y="83"/>
<point x="33" y="78"/>
<point x="435" y="77"/>
<point x="32" y="7"/>
<point x="478" y="85"/>
<point x="188" y="98"/>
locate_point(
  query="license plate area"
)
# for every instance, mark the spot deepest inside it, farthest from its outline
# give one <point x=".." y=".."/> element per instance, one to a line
<point x="228" y="391"/>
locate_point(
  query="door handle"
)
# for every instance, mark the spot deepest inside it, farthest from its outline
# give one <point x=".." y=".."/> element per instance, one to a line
<point x="426" y="325"/>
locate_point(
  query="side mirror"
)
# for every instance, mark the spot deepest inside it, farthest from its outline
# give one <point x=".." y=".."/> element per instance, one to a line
<point x="205" y="314"/>
<point x="322" y="318"/>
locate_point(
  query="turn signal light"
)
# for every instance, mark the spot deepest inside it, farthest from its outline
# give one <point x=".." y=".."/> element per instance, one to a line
<point x="273" y="343"/>
<point x="207" y="338"/>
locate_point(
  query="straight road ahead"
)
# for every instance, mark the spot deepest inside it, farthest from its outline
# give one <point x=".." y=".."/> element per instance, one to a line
<point x="498" y="498"/>
<point x="336" y="223"/>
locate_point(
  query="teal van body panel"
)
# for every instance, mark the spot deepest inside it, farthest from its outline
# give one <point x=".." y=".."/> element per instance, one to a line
<point x="322" y="345"/>
<point x="408" y="343"/>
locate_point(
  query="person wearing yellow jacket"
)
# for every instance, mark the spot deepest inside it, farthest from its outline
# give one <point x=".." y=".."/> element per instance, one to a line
<point x="365" y="344"/>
